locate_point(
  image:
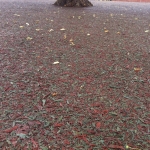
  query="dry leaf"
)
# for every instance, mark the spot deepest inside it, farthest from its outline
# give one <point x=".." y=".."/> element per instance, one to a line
<point x="56" y="62"/>
<point x="27" y="24"/>
<point x="16" y="15"/>
<point x="54" y="94"/>
<point x="52" y="20"/>
<point x="137" y="69"/>
<point x="72" y="16"/>
<point x="38" y="29"/>
<point x="62" y="29"/>
<point x="21" y="27"/>
<point x="118" y="32"/>
<point x="50" y="30"/>
<point x="71" y="43"/>
<point x="71" y="40"/>
<point x="37" y="21"/>
<point x="106" y="31"/>
<point x="28" y="38"/>
<point x="65" y="36"/>
<point x="79" y="17"/>
<point x="146" y="31"/>
<point x="88" y="34"/>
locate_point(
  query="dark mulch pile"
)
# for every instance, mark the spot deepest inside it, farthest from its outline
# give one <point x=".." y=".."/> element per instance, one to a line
<point x="74" y="78"/>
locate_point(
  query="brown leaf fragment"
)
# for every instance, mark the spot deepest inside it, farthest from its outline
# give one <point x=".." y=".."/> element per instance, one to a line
<point x="116" y="147"/>
<point x="11" y="129"/>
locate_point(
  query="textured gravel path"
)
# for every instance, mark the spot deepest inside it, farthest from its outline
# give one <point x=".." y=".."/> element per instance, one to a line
<point x="74" y="78"/>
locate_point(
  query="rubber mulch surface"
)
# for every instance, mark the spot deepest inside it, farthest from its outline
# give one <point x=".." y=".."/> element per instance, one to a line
<point x="74" y="78"/>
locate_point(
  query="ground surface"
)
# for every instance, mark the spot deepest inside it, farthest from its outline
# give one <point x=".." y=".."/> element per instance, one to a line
<point x="74" y="78"/>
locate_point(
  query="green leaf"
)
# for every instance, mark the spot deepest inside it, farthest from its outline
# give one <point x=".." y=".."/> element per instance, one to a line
<point x="44" y="148"/>
<point x="22" y="135"/>
<point x="113" y="113"/>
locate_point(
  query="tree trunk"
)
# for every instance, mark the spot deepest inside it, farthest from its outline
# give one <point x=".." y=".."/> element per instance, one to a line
<point x="73" y="3"/>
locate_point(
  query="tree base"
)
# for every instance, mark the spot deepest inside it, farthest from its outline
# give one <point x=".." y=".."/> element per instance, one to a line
<point x="73" y="3"/>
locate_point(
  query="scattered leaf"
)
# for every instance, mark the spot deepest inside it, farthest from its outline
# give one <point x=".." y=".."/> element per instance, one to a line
<point x="106" y="31"/>
<point x="71" y="40"/>
<point x="28" y="38"/>
<point x="27" y="24"/>
<point x="38" y="29"/>
<point x="66" y="142"/>
<point x="44" y="101"/>
<point x="44" y="148"/>
<point x="50" y="30"/>
<point x="16" y="15"/>
<point x="113" y="113"/>
<point x="56" y="62"/>
<point x="11" y="129"/>
<point x="71" y="43"/>
<point x="21" y="27"/>
<point x="118" y="129"/>
<point x="58" y="124"/>
<point x="21" y="135"/>
<point x="116" y="147"/>
<point x="54" y="94"/>
<point x="137" y="69"/>
<point x="98" y="125"/>
<point x="65" y="36"/>
<point x="35" y="145"/>
<point x="79" y="17"/>
<point x="62" y="29"/>
<point x="128" y="147"/>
